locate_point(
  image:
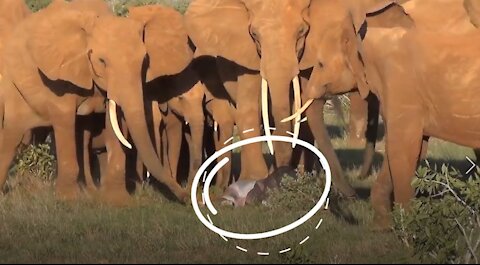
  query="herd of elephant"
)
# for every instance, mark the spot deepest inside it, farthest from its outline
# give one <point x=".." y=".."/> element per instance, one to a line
<point x="146" y="81"/>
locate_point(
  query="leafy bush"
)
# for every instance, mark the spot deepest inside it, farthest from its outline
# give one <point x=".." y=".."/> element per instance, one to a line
<point x="121" y="6"/>
<point x="36" y="5"/>
<point x="296" y="193"/>
<point x="443" y="225"/>
<point x="37" y="161"/>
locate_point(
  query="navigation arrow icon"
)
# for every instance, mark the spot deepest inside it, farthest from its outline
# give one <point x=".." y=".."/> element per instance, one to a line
<point x="473" y="165"/>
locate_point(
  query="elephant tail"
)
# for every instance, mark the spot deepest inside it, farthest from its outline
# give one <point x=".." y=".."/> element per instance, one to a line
<point x="371" y="135"/>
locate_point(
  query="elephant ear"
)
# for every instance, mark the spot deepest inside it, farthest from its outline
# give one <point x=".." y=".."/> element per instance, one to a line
<point x="361" y="8"/>
<point x="331" y="15"/>
<point x="221" y="28"/>
<point x="58" y="44"/>
<point x="473" y="10"/>
<point x="165" y="38"/>
<point x="393" y="15"/>
<point x="352" y="49"/>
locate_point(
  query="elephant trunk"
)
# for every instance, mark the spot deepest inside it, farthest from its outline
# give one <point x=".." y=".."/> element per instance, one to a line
<point x="134" y="112"/>
<point x="279" y="68"/>
<point x="278" y="84"/>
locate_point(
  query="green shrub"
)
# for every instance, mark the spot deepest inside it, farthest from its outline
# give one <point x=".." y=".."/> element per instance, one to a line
<point x="296" y="193"/>
<point x="36" y="5"/>
<point x="443" y="225"/>
<point x="37" y="161"/>
<point x="121" y="6"/>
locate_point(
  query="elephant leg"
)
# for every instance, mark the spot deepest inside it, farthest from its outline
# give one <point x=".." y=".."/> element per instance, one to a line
<point x="253" y="164"/>
<point x="174" y="131"/>
<point x="371" y="135"/>
<point x="67" y="187"/>
<point x="381" y="198"/>
<point x="103" y="163"/>
<point x="10" y="139"/>
<point x="222" y="132"/>
<point x="195" y="145"/>
<point x="87" y="169"/>
<point x="403" y="147"/>
<point x="157" y="119"/>
<point x="140" y="170"/>
<point x="358" y="121"/>
<point x="302" y="158"/>
<point x="424" y="152"/>
<point x="316" y="122"/>
<point x="113" y="185"/>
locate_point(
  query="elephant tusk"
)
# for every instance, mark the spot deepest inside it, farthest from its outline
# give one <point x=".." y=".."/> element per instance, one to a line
<point x="265" y="117"/>
<point x="215" y="126"/>
<point x="112" y="110"/>
<point x="297" y="105"/>
<point x="299" y="112"/>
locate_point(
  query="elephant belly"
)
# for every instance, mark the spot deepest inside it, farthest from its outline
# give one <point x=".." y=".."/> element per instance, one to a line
<point x="459" y="129"/>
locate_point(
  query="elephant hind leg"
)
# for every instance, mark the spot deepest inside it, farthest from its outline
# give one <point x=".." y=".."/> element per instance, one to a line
<point x="9" y="140"/>
<point x="382" y="198"/>
<point x="403" y="148"/>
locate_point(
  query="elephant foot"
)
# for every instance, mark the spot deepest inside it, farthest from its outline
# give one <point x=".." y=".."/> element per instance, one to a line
<point x="115" y="197"/>
<point x="67" y="192"/>
<point x="90" y="190"/>
<point x="185" y="198"/>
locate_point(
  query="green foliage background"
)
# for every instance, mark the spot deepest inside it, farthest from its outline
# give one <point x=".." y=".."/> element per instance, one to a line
<point x="120" y="6"/>
<point x="443" y="225"/>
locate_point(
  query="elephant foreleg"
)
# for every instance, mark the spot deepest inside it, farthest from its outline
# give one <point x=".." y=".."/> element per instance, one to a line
<point x="357" y="125"/>
<point x="222" y="132"/>
<point x="67" y="187"/>
<point x="174" y="131"/>
<point x="113" y="184"/>
<point x="196" y="147"/>
<point x="10" y="138"/>
<point x="371" y="135"/>
<point x="89" y="183"/>
<point x="253" y="164"/>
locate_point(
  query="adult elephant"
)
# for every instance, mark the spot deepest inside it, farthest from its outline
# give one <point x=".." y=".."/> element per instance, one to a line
<point x="402" y="68"/>
<point x="453" y="16"/>
<point x="180" y="94"/>
<point x="179" y="118"/>
<point x="262" y="44"/>
<point x="46" y="79"/>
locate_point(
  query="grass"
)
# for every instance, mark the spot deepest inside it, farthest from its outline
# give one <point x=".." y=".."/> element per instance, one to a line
<point x="34" y="227"/>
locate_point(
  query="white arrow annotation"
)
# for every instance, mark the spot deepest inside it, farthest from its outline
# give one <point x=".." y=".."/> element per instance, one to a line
<point x="473" y="165"/>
